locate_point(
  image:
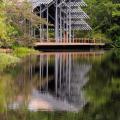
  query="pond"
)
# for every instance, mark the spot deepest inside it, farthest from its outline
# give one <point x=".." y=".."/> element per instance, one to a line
<point x="81" y="85"/>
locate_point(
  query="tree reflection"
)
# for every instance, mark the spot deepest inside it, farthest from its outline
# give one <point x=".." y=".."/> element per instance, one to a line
<point x="103" y="90"/>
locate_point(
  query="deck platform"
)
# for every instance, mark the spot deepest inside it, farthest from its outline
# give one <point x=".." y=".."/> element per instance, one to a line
<point x="67" y="44"/>
<point x="64" y="45"/>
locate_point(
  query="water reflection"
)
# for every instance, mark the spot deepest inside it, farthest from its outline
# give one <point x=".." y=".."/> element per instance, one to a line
<point x="53" y="81"/>
<point x="54" y="85"/>
<point x="62" y="87"/>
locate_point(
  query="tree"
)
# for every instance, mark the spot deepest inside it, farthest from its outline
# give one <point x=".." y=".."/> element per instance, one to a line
<point x="114" y="31"/>
<point x="14" y="19"/>
<point x="104" y="18"/>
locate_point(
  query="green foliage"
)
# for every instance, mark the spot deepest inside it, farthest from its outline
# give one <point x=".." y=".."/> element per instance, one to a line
<point x="3" y="30"/>
<point x="115" y="28"/>
<point x="7" y="31"/>
<point x="104" y="19"/>
<point x="116" y="10"/>
<point x="13" y="21"/>
<point x="23" y="51"/>
<point x="100" y="36"/>
<point x="6" y="59"/>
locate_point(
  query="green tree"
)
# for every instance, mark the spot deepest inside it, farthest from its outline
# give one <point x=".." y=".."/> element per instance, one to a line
<point x="114" y="31"/>
<point x="104" y="19"/>
<point x="14" y="17"/>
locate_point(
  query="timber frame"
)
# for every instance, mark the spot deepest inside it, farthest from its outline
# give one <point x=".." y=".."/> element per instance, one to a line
<point x="66" y="17"/>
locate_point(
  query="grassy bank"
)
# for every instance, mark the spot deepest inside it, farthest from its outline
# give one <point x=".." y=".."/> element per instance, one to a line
<point x="7" y="59"/>
<point x="15" y="56"/>
<point x="23" y="51"/>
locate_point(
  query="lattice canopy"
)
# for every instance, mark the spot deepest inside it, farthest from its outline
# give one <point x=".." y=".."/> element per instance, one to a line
<point x="65" y="15"/>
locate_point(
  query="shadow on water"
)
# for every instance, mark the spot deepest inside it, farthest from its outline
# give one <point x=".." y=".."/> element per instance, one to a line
<point x="63" y="86"/>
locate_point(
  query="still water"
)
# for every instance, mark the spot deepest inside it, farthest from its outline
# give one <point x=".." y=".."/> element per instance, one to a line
<point x="62" y="86"/>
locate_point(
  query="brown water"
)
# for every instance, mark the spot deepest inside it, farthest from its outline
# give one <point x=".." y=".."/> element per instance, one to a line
<point x="62" y="86"/>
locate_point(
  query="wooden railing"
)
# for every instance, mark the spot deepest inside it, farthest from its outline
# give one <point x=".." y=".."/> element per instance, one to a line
<point x="76" y="40"/>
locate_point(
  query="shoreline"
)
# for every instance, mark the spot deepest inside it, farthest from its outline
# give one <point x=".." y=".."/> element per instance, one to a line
<point x="6" y="50"/>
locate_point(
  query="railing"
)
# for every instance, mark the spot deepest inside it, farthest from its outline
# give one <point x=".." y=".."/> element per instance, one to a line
<point x="75" y="40"/>
<point x="86" y="40"/>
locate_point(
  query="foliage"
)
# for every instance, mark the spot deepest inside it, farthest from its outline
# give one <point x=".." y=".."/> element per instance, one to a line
<point x="115" y="29"/>
<point x="104" y="19"/>
<point x="23" y="51"/>
<point x="7" y="59"/>
<point x="6" y="30"/>
<point x="14" y="19"/>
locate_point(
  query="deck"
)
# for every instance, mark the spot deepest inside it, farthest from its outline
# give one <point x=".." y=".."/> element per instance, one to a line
<point x="68" y="44"/>
<point x="77" y="44"/>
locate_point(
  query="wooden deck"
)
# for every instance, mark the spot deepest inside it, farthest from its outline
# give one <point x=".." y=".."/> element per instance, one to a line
<point x="77" y="44"/>
<point x="67" y="44"/>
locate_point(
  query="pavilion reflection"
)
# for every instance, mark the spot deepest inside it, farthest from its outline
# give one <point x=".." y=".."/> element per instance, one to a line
<point x="60" y="80"/>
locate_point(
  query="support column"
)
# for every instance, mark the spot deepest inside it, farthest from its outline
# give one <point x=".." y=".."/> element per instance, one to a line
<point x="47" y="24"/>
<point x="70" y="24"/>
<point x="56" y="22"/>
<point x="64" y="25"/>
<point x="73" y="35"/>
<point x="67" y="20"/>
<point x="40" y="25"/>
<point x="60" y="26"/>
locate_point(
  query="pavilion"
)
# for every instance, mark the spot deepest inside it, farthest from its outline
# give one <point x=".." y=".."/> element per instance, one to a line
<point x="65" y="17"/>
